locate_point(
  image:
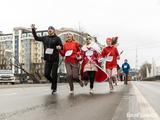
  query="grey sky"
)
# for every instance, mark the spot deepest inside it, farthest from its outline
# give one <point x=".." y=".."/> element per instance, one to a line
<point x="136" y="22"/>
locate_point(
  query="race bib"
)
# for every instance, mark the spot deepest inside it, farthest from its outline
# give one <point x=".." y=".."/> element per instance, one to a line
<point x="49" y="51"/>
<point x="109" y="58"/>
<point x="125" y="66"/>
<point x="89" y="53"/>
<point x="68" y="52"/>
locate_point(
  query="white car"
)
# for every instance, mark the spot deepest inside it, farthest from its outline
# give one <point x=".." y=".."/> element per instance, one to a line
<point x="7" y="76"/>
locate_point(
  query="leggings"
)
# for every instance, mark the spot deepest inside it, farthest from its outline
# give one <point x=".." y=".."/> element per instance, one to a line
<point x="90" y="75"/>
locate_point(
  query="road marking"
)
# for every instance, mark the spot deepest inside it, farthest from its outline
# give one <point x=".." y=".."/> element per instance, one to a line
<point x="139" y="107"/>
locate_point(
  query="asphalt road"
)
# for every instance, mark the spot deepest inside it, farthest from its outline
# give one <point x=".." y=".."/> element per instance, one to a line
<point x="127" y="102"/>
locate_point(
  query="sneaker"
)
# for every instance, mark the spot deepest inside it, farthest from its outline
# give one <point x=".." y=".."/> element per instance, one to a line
<point x="91" y="91"/>
<point x="85" y="82"/>
<point x="53" y="91"/>
<point x="71" y="92"/>
<point x="81" y="83"/>
<point x="116" y="84"/>
<point x="111" y="86"/>
<point x="111" y="90"/>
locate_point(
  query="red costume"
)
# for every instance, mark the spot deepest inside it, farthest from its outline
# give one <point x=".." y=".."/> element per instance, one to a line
<point x="93" y="58"/>
<point x="112" y="52"/>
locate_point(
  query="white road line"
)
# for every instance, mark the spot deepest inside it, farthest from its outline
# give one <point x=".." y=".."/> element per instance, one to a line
<point x="141" y="108"/>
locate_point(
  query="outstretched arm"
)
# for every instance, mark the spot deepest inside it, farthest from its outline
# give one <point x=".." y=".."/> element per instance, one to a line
<point x="35" y="34"/>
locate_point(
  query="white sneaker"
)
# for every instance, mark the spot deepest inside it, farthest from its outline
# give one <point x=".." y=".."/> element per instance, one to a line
<point x="71" y="92"/>
<point x="91" y="91"/>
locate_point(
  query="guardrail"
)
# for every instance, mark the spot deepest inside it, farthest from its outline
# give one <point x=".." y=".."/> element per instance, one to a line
<point x="154" y="78"/>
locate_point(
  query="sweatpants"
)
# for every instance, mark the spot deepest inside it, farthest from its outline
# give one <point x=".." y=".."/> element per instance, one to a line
<point x="51" y="73"/>
<point x="72" y="73"/>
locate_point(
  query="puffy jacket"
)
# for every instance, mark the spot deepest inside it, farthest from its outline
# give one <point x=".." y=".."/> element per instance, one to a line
<point x="71" y="45"/>
<point x="49" y="42"/>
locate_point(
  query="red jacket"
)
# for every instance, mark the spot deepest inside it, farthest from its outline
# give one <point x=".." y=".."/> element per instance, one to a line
<point x="110" y="51"/>
<point x="71" y="45"/>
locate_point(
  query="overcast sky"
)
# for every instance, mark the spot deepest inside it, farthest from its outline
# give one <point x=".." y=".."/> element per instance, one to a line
<point x="136" y="22"/>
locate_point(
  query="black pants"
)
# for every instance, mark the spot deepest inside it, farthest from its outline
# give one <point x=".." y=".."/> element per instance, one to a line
<point x="51" y="73"/>
<point x="121" y="77"/>
<point x="126" y="79"/>
<point x="89" y="75"/>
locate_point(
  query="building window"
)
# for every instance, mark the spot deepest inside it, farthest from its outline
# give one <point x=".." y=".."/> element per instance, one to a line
<point x="39" y="34"/>
<point x="24" y="35"/>
<point x="29" y="34"/>
<point x="45" y="33"/>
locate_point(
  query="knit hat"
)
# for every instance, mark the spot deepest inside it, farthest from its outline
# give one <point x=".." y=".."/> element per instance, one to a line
<point x="51" y="27"/>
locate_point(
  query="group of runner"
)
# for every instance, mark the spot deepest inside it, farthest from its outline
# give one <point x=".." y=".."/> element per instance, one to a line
<point x="87" y="59"/>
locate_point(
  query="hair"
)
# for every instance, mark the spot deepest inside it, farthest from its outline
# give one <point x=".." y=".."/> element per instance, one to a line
<point x="70" y="34"/>
<point x="114" y="40"/>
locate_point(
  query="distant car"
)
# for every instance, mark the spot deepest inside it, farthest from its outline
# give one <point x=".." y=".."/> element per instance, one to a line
<point x="7" y="76"/>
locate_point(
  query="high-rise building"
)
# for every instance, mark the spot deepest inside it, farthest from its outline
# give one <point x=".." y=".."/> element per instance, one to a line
<point x="6" y="50"/>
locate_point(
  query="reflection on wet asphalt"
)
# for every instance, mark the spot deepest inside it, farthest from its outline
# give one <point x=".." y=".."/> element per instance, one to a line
<point x="37" y="103"/>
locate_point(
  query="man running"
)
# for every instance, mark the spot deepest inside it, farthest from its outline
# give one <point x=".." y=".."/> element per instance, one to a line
<point x="125" y="68"/>
<point x="52" y="44"/>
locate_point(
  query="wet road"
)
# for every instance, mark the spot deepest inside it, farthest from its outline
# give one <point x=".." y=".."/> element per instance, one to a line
<point x="151" y="93"/>
<point x="36" y="102"/>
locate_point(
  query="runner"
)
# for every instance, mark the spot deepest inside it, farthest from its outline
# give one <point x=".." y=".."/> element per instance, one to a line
<point x="71" y="51"/>
<point x="125" y="68"/>
<point x="111" y="54"/>
<point x="52" y="44"/>
<point x="89" y="69"/>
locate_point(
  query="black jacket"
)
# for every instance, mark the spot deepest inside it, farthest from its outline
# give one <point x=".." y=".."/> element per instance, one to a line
<point x="49" y="42"/>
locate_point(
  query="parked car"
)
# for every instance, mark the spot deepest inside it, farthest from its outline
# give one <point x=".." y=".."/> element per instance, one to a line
<point x="7" y="76"/>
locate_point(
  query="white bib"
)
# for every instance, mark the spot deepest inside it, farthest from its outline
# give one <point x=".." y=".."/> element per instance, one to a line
<point x="125" y="66"/>
<point x="109" y="58"/>
<point x="49" y="51"/>
<point x="89" y="53"/>
<point x="68" y="52"/>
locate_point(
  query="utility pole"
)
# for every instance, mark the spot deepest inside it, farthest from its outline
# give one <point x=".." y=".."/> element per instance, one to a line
<point x="136" y="65"/>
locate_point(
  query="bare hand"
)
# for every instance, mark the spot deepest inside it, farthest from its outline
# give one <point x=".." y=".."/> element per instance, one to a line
<point x="58" y="47"/>
<point x="33" y="26"/>
<point x="79" y="57"/>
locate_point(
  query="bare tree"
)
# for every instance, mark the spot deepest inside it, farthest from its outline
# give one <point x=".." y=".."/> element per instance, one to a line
<point x="143" y="69"/>
<point x="17" y="64"/>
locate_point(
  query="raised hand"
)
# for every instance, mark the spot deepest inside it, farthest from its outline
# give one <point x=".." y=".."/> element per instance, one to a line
<point x="33" y="26"/>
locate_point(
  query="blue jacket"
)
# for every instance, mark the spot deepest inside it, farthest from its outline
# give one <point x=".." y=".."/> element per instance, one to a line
<point x="125" y="68"/>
